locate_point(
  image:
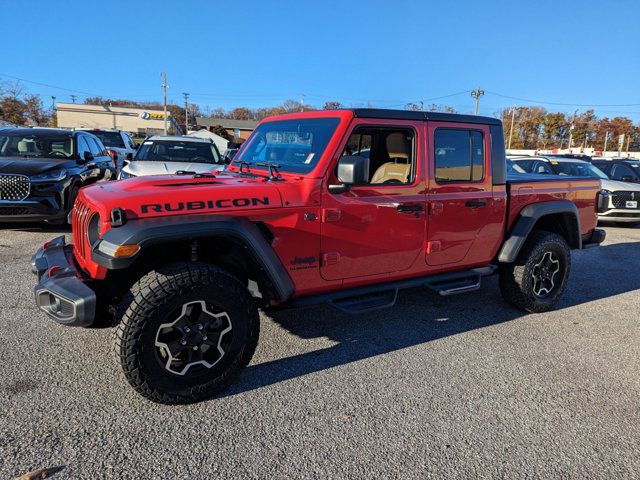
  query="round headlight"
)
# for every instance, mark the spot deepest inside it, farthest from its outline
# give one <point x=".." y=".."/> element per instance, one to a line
<point x="93" y="229"/>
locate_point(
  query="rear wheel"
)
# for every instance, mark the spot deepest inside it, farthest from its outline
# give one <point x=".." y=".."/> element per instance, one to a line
<point x="186" y="331"/>
<point x="537" y="279"/>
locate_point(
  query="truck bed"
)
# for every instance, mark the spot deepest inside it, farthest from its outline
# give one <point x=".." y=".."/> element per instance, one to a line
<point x="524" y="189"/>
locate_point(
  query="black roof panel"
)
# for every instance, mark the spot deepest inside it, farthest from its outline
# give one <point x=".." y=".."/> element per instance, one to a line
<point x="413" y="115"/>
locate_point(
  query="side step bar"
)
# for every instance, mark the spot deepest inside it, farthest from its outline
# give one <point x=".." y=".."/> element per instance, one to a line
<point x="375" y="297"/>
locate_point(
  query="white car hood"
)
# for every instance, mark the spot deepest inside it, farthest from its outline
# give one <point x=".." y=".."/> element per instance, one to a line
<point x="142" y="168"/>
<point x="616" y="186"/>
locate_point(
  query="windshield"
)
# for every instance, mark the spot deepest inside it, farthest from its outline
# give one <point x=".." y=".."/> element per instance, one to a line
<point x="177" y="151"/>
<point x="294" y="145"/>
<point x="109" y="139"/>
<point x="513" y="168"/>
<point x="27" y="144"/>
<point x="578" y="169"/>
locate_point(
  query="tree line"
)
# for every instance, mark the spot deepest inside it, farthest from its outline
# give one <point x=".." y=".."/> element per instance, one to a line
<point x="533" y="126"/>
<point x="536" y="128"/>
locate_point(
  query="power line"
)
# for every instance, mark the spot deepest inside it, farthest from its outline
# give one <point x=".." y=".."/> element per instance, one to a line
<point x="47" y="85"/>
<point x="565" y="104"/>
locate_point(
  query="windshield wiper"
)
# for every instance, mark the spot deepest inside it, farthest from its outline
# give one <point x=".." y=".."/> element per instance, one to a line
<point x="273" y="167"/>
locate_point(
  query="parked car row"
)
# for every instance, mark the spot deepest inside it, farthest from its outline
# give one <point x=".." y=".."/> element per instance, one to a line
<point x="42" y="169"/>
<point x="620" y="179"/>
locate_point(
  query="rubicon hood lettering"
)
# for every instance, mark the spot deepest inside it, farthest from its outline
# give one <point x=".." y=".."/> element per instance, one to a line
<point x="204" y="204"/>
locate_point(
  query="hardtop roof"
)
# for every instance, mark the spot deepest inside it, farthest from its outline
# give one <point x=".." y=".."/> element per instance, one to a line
<point x="419" y="115"/>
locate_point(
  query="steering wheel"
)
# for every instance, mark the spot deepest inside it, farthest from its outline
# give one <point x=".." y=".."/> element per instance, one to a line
<point x="56" y="153"/>
<point x="392" y="180"/>
<point x="199" y="160"/>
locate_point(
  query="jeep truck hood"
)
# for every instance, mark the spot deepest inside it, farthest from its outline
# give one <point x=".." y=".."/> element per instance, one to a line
<point x="156" y="196"/>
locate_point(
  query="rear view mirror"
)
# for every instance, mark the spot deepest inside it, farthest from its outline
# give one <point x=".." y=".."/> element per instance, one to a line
<point x="352" y="170"/>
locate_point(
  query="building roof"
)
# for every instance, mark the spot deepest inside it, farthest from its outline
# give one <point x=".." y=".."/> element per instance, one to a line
<point x="227" y="123"/>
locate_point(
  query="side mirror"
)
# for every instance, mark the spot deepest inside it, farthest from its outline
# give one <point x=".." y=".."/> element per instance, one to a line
<point x="87" y="157"/>
<point x="128" y="157"/>
<point x="352" y="170"/>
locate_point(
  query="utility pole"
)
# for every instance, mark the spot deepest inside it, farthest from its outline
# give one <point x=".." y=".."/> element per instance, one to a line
<point x="606" y="137"/>
<point x="302" y="102"/>
<point x="186" y="112"/>
<point x="513" y="117"/>
<point x="53" y="102"/>
<point x="73" y="98"/>
<point x="477" y="93"/>
<point x="628" y="140"/>
<point x="573" y="121"/>
<point x="164" y="91"/>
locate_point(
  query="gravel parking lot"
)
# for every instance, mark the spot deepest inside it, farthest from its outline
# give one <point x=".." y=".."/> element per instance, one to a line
<point x="436" y="387"/>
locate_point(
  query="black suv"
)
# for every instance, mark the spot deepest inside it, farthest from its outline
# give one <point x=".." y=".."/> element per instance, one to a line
<point x="42" y="169"/>
<point x="621" y="169"/>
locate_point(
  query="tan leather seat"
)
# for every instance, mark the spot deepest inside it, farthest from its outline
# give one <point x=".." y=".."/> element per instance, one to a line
<point x="399" y="149"/>
<point x="25" y="147"/>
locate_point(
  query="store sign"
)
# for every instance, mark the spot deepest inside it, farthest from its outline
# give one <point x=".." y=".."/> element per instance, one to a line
<point x="152" y="115"/>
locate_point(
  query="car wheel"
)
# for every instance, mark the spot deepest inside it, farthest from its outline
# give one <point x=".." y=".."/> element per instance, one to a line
<point x="186" y="330"/>
<point x="537" y="279"/>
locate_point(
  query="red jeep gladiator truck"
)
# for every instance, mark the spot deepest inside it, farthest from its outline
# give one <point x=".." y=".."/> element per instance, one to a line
<point x="341" y="207"/>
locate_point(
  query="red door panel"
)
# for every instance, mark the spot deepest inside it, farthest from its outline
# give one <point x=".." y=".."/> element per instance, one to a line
<point x="458" y="211"/>
<point x="374" y="229"/>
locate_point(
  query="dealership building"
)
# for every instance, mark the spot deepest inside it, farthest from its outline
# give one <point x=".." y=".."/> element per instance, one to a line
<point x="138" y="120"/>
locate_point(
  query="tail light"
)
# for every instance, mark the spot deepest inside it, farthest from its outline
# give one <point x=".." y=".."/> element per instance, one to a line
<point x="114" y="157"/>
<point x="603" y="200"/>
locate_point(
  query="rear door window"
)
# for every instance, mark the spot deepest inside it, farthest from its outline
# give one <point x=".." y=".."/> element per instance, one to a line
<point x="459" y="155"/>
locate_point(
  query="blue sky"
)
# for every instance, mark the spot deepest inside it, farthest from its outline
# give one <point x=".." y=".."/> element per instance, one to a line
<point x="256" y="53"/>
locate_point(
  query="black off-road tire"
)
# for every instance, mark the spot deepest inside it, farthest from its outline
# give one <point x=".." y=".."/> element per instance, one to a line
<point x="146" y="306"/>
<point x="516" y="279"/>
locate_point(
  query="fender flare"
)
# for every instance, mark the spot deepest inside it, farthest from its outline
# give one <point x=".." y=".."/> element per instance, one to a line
<point x="527" y="219"/>
<point x="148" y="232"/>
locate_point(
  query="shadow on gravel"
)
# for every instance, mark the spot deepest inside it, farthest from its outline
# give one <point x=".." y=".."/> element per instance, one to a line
<point x="422" y="316"/>
<point x="37" y="227"/>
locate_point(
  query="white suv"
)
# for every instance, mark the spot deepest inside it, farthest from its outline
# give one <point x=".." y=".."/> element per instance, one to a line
<point x="120" y="145"/>
<point x="167" y="155"/>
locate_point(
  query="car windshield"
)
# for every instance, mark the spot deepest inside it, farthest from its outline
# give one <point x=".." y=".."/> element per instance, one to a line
<point x="512" y="167"/>
<point x="578" y="169"/>
<point x="294" y="145"/>
<point x="29" y="144"/>
<point x="177" y="151"/>
<point x="109" y="139"/>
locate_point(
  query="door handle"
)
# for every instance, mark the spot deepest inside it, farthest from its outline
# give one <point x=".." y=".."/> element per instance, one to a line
<point x="416" y="207"/>
<point x="475" y="203"/>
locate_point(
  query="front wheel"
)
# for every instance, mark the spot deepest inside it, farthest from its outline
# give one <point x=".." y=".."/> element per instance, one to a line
<point x="537" y="279"/>
<point x="186" y="331"/>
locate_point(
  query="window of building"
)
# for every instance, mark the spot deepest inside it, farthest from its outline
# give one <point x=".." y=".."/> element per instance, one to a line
<point x="459" y="155"/>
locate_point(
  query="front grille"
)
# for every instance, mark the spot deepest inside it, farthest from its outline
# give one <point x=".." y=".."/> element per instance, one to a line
<point x="79" y="221"/>
<point x="620" y="199"/>
<point x="6" y="211"/>
<point x="14" y="187"/>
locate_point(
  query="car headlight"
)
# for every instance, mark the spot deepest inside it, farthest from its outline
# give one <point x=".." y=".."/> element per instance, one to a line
<point x="52" y="176"/>
<point x="93" y="229"/>
<point x="124" y="175"/>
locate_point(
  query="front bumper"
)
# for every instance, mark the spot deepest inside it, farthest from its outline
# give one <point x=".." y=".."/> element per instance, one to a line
<point x="620" y="215"/>
<point x="61" y="291"/>
<point x="31" y="210"/>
